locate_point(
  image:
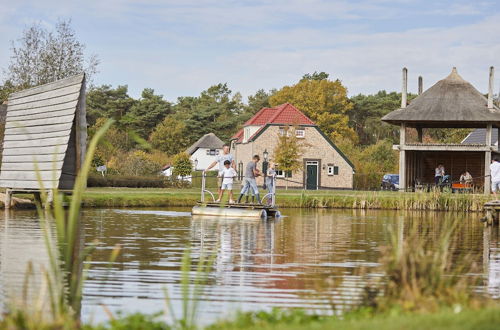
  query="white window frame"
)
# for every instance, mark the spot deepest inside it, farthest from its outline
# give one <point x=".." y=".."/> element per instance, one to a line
<point x="330" y="170"/>
<point x="280" y="173"/>
<point x="300" y="133"/>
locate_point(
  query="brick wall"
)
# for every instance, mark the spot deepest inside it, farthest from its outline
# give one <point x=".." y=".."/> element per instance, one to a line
<point x="317" y="149"/>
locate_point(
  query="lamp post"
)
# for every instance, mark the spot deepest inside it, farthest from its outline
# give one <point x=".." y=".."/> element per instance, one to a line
<point x="265" y="164"/>
<point x="240" y="170"/>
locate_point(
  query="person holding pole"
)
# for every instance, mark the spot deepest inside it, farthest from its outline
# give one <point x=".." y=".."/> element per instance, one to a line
<point x="220" y="159"/>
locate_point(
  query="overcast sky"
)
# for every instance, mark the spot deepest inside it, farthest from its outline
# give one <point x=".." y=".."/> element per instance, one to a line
<point x="181" y="47"/>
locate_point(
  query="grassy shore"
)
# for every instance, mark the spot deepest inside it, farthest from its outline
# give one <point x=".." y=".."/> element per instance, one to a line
<point x="484" y="319"/>
<point x="434" y="201"/>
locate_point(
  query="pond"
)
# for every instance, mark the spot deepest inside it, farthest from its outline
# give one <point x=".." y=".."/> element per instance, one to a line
<point x="257" y="264"/>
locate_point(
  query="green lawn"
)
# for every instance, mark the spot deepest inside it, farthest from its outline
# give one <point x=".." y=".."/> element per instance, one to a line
<point x="484" y="319"/>
<point x="136" y="197"/>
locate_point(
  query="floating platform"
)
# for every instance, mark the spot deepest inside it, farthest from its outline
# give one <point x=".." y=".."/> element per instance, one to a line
<point x="241" y="210"/>
<point x="491" y="212"/>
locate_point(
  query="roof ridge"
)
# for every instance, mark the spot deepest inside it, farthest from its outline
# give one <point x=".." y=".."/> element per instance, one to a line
<point x="277" y="112"/>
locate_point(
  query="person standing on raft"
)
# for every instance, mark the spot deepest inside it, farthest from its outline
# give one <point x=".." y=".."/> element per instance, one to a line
<point x="249" y="182"/>
<point x="227" y="181"/>
<point x="220" y="159"/>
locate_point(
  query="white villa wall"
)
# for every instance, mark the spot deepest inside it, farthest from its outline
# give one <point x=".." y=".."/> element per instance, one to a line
<point x="204" y="160"/>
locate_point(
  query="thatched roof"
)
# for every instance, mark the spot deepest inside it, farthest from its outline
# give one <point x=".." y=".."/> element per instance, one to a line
<point x="209" y="141"/>
<point x="451" y="102"/>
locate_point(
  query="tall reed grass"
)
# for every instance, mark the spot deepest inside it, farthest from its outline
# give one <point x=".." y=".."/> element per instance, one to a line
<point x="59" y="299"/>
<point x="424" y="273"/>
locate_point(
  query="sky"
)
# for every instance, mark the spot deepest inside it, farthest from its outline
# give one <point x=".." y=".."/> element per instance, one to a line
<point x="180" y="48"/>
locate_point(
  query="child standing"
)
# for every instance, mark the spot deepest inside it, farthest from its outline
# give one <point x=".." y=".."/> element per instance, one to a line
<point x="227" y="174"/>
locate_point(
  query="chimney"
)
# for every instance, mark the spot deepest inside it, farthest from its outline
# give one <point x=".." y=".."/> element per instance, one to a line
<point x="490" y="88"/>
<point x="405" y="87"/>
<point x="420" y="85"/>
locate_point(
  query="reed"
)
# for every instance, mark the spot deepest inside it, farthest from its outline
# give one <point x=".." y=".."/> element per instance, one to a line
<point x="59" y="298"/>
<point x="192" y="291"/>
<point x="423" y="273"/>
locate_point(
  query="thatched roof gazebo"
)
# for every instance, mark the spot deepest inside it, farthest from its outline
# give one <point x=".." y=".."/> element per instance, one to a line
<point x="450" y="103"/>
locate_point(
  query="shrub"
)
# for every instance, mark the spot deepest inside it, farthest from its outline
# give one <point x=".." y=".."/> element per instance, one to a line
<point x="96" y="180"/>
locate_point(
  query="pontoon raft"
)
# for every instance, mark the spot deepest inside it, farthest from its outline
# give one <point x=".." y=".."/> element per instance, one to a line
<point x="237" y="210"/>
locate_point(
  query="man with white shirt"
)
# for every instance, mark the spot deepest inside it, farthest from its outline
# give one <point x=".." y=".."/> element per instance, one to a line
<point x="495" y="176"/>
<point x="220" y="159"/>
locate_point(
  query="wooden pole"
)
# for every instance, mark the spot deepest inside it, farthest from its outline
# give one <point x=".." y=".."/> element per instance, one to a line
<point x="420" y="85"/>
<point x="404" y="88"/>
<point x="402" y="158"/>
<point x="420" y="134"/>
<point x="487" y="160"/>
<point x="490" y="88"/>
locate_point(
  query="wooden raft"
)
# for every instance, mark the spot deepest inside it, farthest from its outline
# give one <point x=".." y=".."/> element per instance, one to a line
<point x="491" y="212"/>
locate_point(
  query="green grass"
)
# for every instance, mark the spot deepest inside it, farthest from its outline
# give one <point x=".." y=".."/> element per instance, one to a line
<point x="483" y="319"/>
<point x="153" y="197"/>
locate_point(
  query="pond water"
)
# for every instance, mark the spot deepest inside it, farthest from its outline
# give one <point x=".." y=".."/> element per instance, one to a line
<point x="257" y="264"/>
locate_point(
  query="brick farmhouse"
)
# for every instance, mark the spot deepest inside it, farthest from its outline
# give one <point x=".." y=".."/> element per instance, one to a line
<point x="324" y="165"/>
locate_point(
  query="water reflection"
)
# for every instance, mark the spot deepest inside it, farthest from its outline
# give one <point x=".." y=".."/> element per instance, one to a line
<point x="258" y="264"/>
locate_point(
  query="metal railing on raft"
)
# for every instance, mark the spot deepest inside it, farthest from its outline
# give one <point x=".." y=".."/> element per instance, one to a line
<point x="271" y="194"/>
<point x="204" y="190"/>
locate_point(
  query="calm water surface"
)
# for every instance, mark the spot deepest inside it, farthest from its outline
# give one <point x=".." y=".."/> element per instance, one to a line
<point x="258" y="264"/>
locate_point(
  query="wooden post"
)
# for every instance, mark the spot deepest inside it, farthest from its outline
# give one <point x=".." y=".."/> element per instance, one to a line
<point x="402" y="157"/>
<point x="8" y="198"/>
<point x="404" y="88"/>
<point x="420" y="135"/>
<point x="487" y="161"/>
<point x="420" y="85"/>
<point x="490" y="88"/>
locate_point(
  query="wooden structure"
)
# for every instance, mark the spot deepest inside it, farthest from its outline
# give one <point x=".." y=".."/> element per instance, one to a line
<point x="45" y="137"/>
<point x="491" y="213"/>
<point x="450" y="103"/>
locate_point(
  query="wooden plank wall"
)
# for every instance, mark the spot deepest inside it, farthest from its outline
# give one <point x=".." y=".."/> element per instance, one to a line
<point x="421" y="164"/>
<point x="37" y="145"/>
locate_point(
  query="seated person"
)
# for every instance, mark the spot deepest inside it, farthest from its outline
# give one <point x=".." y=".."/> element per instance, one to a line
<point x="466" y="178"/>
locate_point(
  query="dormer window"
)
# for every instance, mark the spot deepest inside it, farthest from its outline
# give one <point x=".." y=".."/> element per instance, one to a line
<point x="246" y="134"/>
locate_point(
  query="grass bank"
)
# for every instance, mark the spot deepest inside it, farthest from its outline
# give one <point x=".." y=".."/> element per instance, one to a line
<point x="433" y="201"/>
<point x="484" y="319"/>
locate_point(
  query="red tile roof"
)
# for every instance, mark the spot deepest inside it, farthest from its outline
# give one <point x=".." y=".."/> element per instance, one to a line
<point x="285" y="114"/>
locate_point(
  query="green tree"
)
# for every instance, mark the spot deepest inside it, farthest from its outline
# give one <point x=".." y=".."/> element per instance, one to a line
<point x="215" y="110"/>
<point x="288" y="152"/>
<point x="367" y="112"/>
<point x="182" y="165"/>
<point x="324" y="101"/>
<point x="170" y="136"/>
<point x="316" y="76"/>
<point x="41" y="56"/>
<point x="108" y="102"/>
<point x="146" y="113"/>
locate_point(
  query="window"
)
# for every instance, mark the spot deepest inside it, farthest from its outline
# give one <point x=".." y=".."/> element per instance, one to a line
<point x="283" y="130"/>
<point x="246" y="134"/>
<point x="300" y="133"/>
<point x="212" y="152"/>
<point x="333" y="170"/>
<point x="283" y="174"/>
